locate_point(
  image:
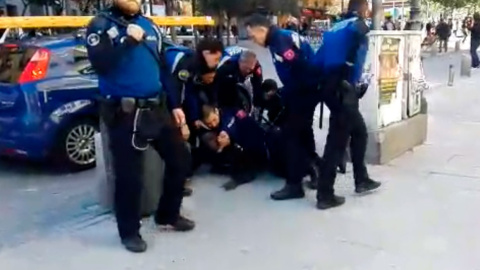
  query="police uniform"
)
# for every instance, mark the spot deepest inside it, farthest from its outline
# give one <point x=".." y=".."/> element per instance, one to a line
<point x="132" y="85"/>
<point x="291" y="55"/>
<point x="247" y="153"/>
<point x="342" y="57"/>
<point x="180" y="63"/>
<point x="228" y="75"/>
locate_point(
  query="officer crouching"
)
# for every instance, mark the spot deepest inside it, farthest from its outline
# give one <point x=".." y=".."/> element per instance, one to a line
<point x="125" y="49"/>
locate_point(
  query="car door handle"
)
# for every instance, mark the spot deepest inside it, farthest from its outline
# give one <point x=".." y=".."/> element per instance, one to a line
<point x="6" y="104"/>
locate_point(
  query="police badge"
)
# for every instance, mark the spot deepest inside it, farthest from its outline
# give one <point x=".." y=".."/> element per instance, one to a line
<point x="183" y="75"/>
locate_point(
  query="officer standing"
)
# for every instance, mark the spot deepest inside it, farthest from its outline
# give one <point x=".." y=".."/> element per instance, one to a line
<point x="291" y="54"/>
<point x="343" y="54"/>
<point x="234" y="70"/>
<point x="125" y="49"/>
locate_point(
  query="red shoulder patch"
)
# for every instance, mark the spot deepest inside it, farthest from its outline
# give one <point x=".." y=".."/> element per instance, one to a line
<point x="289" y="55"/>
<point x="241" y="114"/>
<point x="259" y="71"/>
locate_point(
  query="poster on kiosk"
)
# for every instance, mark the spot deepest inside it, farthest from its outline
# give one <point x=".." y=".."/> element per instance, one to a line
<point x="397" y="81"/>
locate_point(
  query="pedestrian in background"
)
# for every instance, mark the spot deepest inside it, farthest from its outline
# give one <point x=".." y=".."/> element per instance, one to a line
<point x="475" y="40"/>
<point x="443" y="32"/>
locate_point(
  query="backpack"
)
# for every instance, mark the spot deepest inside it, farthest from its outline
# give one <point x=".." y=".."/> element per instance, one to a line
<point x="339" y="46"/>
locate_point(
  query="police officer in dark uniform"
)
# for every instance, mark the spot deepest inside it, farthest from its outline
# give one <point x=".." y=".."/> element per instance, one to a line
<point x="125" y="49"/>
<point x="291" y="54"/>
<point x="343" y="54"/>
<point x="185" y="66"/>
<point x="233" y="135"/>
<point x="234" y="70"/>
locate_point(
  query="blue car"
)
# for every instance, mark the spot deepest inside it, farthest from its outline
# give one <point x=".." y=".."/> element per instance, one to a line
<point x="47" y="101"/>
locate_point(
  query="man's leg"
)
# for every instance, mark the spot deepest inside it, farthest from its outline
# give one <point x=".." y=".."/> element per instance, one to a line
<point x="337" y="138"/>
<point x="296" y="156"/>
<point x="127" y="164"/>
<point x="171" y="147"/>
<point x="358" y="146"/>
<point x="473" y="52"/>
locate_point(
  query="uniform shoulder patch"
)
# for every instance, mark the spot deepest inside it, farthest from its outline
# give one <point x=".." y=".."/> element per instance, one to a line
<point x="289" y="55"/>
<point x="93" y="39"/>
<point x="183" y="75"/>
<point x="241" y="114"/>
<point x="259" y="71"/>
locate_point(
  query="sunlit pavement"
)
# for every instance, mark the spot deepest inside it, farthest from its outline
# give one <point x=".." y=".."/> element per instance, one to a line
<point x="424" y="217"/>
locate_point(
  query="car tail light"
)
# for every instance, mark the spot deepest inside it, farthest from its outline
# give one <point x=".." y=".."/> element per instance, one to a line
<point x="37" y="67"/>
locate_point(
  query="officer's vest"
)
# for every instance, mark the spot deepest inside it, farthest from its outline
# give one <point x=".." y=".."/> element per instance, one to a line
<point x="173" y="55"/>
<point x="337" y="47"/>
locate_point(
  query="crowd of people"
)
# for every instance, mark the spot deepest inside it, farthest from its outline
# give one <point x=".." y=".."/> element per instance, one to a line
<point x="212" y="105"/>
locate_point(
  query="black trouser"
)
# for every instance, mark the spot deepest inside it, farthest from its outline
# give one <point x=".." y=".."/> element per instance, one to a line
<point x="128" y="166"/>
<point x="298" y="136"/>
<point x="443" y="44"/>
<point x="345" y="124"/>
<point x="474" y="43"/>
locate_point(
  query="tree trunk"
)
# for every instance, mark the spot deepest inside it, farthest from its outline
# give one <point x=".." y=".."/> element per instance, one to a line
<point x="195" y="30"/>
<point x="47" y="12"/>
<point x="229" y="20"/>
<point x="25" y="8"/>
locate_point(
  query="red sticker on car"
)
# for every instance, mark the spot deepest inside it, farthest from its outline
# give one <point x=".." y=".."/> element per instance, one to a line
<point x="289" y="55"/>
<point x="241" y="114"/>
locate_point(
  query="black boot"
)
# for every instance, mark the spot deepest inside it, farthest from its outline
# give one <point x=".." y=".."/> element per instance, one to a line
<point x="288" y="192"/>
<point x="134" y="244"/>
<point x="181" y="224"/>
<point x="326" y="202"/>
<point x="366" y="186"/>
<point x="342" y="166"/>
<point x="187" y="189"/>
<point x="239" y="178"/>
<point x="314" y="174"/>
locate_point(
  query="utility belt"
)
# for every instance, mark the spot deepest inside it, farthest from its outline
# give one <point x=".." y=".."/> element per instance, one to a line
<point x="145" y="115"/>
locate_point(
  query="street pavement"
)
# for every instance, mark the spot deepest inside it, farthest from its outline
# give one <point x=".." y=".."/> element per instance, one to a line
<point x="424" y="217"/>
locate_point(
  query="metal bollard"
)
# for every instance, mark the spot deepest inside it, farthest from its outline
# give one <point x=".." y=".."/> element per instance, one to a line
<point x="457" y="45"/>
<point x="465" y="66"/>
<point x="451" y="75"/>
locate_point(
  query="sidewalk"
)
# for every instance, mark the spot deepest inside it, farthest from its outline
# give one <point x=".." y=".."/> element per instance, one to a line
<point x="425" y="217"/>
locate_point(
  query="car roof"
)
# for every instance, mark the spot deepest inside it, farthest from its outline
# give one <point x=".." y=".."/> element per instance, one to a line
<point x="53" y="42"/>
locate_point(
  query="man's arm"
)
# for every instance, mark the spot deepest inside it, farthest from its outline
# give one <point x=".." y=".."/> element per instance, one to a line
<point x="192" y="103"/>
<point x="297" y="55"/>
<point x="177" y="81"/>
<point x="103" y="53"/>
<point x="257" y="80"/>
<point x="224" y="84"/>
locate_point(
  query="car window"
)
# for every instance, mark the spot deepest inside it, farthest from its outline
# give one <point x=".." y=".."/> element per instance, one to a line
<point x="13" y="60"/>
<point x="69" y="61"/>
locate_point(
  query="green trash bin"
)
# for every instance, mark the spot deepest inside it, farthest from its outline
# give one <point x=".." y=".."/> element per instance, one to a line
<point x="153" y="169"/>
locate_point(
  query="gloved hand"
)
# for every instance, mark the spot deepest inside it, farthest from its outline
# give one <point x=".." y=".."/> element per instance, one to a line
<point x="362" y="89"/>
<point x="136" y="32"/>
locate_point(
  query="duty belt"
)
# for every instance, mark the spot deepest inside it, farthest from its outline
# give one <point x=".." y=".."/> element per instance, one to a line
<point x="129" y="104"/>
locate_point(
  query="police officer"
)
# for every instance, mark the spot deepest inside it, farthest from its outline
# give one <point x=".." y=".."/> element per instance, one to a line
<point x="238" y="138"/>
<point x="125" y="50"/>
<point x="185" y="65"/>
<point x="291" y="54"/>
<point x="234" y="70"/>
<point x="343" y="54"/>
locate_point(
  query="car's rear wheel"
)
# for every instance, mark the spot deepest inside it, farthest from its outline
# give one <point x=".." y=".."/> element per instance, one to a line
<point x="76" y="145"/>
